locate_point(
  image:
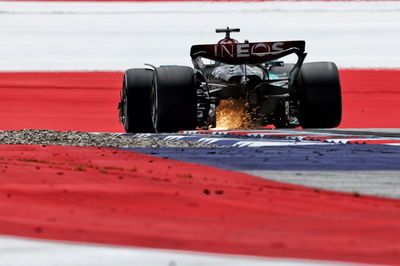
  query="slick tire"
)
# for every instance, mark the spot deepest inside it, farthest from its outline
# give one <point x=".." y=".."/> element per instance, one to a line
<point x="136" y="109"/>
<point x="174" y="105"/>
<point x="320" y="98"/>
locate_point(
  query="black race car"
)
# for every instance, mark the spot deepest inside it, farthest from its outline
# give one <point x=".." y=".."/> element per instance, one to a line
<point x="172" y="98"/>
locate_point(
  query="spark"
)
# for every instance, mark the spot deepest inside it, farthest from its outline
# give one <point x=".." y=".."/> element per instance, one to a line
<point x="233" y="114"/>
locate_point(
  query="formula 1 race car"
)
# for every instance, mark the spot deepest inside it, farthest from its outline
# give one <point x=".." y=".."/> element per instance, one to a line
<point x="229" y="73"/>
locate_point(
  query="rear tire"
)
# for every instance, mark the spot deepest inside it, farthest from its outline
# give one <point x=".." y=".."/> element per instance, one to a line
<point x="319" y="95"/>
<point x="135" y="100"/>
<point x="174" y="105"/>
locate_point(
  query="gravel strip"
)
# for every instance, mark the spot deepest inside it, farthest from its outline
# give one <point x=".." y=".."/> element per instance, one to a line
<point x="77" y="138"/>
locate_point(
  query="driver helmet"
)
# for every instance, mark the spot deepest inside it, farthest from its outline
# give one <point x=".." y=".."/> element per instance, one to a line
<point x="225" y="41"/>
<point x="228" y="41"/>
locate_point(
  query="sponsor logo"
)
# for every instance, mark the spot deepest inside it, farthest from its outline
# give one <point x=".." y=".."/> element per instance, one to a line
<point x="247" y="49"/>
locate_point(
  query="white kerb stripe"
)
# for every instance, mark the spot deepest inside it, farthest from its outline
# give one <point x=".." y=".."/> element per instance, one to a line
<point x="23" y="252"/>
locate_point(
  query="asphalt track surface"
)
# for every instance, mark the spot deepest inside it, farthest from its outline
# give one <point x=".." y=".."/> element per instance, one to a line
<point x="119" y="197"/>
<point x="314" y="159"/>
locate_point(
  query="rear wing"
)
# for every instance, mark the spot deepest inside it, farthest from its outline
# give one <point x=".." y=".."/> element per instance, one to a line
<point x="248" y="53"/>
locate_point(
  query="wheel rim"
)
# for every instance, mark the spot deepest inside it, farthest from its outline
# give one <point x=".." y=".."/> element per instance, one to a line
<point x="154" y="106"/>
<point x="125" y="116"/>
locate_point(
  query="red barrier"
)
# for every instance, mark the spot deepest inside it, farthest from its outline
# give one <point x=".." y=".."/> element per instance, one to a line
<point x="87" y="101"/>
<point x="118" y="197"/>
